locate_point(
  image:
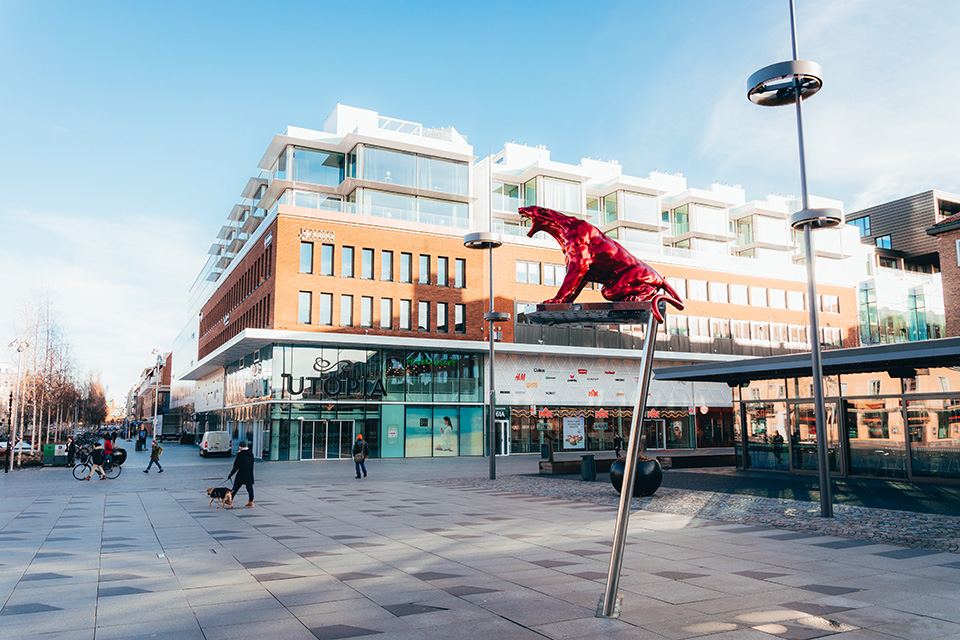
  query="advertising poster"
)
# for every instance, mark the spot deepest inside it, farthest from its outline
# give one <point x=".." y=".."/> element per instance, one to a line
<point x="573" y="433"/>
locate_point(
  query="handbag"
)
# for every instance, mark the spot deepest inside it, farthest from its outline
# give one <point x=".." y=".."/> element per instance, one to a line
<point x="358" y="457"/>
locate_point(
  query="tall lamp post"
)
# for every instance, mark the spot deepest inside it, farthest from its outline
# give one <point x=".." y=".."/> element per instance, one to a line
<point x="489" y="240"/>
<point x="21" y="346"/>
<point x="792" y="82"/>
<point x="156" y="390"/>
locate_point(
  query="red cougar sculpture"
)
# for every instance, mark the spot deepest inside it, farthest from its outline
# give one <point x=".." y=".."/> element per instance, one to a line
<point x="593" y="257"/>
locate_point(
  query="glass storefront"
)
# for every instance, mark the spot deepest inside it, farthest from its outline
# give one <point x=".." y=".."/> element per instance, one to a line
<point x="878" y="425"/>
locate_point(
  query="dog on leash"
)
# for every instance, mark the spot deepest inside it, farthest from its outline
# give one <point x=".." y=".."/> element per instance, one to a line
<point x="222" y="495"/>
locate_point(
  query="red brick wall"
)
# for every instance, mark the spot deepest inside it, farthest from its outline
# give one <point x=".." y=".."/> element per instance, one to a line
<point x="950" y="275"/>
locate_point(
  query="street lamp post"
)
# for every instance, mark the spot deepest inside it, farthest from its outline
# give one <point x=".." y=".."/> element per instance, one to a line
<point x="488" y="240"/>
<point x="156" y="391"/>
<point x="21" y="345"/>
<point x="779" y="84"/>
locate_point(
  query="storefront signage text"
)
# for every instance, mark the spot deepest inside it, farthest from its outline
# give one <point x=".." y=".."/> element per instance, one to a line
<point x="335" y="386"/>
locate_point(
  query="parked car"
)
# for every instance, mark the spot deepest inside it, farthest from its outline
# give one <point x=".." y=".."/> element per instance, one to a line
<point x="215" y="443"/>
<point x="21" y="446"/>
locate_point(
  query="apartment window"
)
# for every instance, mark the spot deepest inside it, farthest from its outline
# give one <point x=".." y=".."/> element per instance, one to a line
<point x="528" y="272"/>
<point x="346" y="311"/>
<point x="386" y="265"/>
<point x="718" y="292"/>
<point x="884" y="242"/>
<point x="406" y="267"/>
<point x="740" y="329"/>
<point x="459" y="318"/>
<point x="553" y="274"/>
<point x="719" y="328"/>
<point x="366" y="264"/>
<point x="795" y="300"/>
<point x="386" y="313"/>
<point x="304" y="303"/>
<point x="779" y="333"/>
<point x="699" y="327"/>
<point x="944" y="383"/>
<point x="506" y="197"/>
<point x="679" y="285"/>
<point x="405" y="315"/>
<point x="562" y="195"/>
<point x="829" y="304"/>
<point x="738" y="294"/>
<point x="306" y="257"/>
<point x="761" y="331"/>
<point x="326" y="309"/>
<point x="459" y="273"/>
<point x="798" y="334"/>
<point x="873" y="387"/>
<point x="423" y="316"/>
<point x="698" y="289"/>
<point x="326" y="260"/>
<point x="346" y="262"/>
<point x="863" y="224"/>
<point x="758" y="296"/>
<point x="424" y="269"/>
<point x="366" y="311"/>
<point x="677" y="325"/>
<point x="777" y="298"/>
<point x="443" y="269"/>
<point x="442" y="326"/>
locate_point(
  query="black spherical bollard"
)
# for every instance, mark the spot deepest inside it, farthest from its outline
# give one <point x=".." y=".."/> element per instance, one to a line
<point x="648" y="477"/>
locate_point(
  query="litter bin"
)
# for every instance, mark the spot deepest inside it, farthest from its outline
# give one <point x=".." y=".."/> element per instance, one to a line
<point x="60" y="455"/>
<point x="588" y="467"/>
<point x="48" y="454"/>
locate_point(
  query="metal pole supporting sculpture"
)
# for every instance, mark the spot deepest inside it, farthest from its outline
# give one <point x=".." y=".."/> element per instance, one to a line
<point x="637" y="295"/>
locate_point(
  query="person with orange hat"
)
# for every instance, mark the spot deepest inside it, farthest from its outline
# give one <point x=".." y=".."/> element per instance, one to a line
<point x="360" y="452"/>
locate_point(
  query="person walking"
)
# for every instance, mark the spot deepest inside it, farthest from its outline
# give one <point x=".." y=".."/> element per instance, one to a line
<point x="617" y="444"/>
<point x="243" y="467"/>
<point x="155" y="451"/>
<point x="360" y="453"/>
<point x="96" y="461"/>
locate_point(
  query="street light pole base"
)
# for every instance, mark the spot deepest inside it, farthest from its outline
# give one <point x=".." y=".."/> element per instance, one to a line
<point x="617" y="606"/>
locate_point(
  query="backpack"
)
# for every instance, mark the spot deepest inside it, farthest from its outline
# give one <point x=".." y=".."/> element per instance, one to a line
<point x="159" y="450"/>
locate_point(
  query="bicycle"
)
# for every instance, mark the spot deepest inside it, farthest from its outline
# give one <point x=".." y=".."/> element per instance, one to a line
<point x="82" y="470"/>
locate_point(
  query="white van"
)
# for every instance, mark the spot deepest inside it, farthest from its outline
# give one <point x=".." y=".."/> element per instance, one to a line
<point x="215" y="443"/>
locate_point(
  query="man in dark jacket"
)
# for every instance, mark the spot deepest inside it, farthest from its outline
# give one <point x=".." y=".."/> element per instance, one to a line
<point x="243" y="467"/>
<point x="360" y="452"/>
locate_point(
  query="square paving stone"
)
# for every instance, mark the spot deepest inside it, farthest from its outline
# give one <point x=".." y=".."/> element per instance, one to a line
<point x="903" y="554"/>
<point x="843" y="544"/>
<point x="334" y="632"/>
<point x="828" y="590"/>
<point x="550" y="564"/>
<point x="759" y="575"/>
<point x="813" y="608"/>
<point x="28" y="607"/>
<point x="590" y="575"/>
<point x="411" y="609"/>
<point x="354" y="575"/>
<point x="679" y="575"/>
<point x="587" y="552"/>
<point x="791" y="536"/>
<point x="435" y="575"/>
<point x="467" y="590"/>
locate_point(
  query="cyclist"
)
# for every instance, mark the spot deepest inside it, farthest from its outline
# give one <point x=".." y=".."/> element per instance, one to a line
<point x="108" y="448"/>
<point x="96" y="461"/>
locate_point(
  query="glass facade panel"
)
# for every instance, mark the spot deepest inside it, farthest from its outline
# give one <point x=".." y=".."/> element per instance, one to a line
<point x="442" y="175"/>
<point x="443" y="213"/>
<point x="641" y="208"/>
<point x="934" y="427"/>
<point x="386" y="265"/>
<point x="318" y="167"/>
<point x="506" y="197"/>
<point x="326" y="260"/>
<point x="418" y="432"/>
<point x="530" y="193"/>
<point x="366" y="264"/>
<point x="419" y="376"/>
<point x="306" y="257"/>
<point x="391" y="430"/>
<point x="766" y="431"/>
<point x="803" y="437"/>
<point x="346" y="262"/>
<point x="390" y="205"/>
<point x="471" y="431"/>
<point x="446" y="431"/>
<point x="562" y="195"/>
<point x="381" y="165"/>
<point x="874" y="430"/>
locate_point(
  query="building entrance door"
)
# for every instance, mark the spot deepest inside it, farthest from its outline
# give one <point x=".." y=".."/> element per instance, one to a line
<point x="326" y="439"/>
<point x="502" y="436"/>
<point x="656" y="432"/>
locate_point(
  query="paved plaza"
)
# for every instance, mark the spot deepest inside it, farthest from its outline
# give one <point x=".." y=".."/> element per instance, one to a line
<point x="432" y="549"/>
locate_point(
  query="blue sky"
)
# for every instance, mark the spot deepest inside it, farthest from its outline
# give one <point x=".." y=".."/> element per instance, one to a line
<point x="128" y="129"/>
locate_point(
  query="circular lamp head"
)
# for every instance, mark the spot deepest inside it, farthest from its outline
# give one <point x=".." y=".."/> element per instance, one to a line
<point x="482" y="240"/>
<point x="778" y="84"/>
<point x="824" y="218"/>
<point x="496" y="316"/>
